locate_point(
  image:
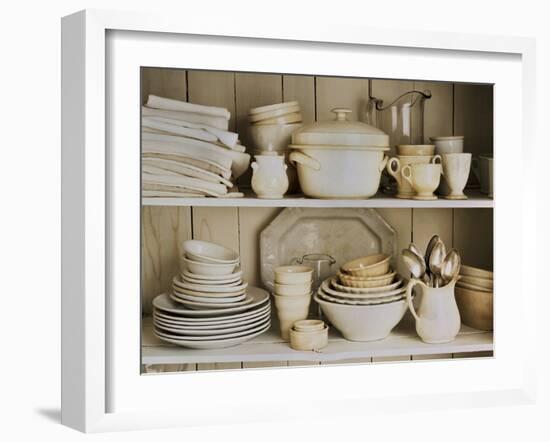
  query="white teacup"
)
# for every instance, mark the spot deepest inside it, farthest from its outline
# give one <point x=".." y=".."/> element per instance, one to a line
<point x="448" y="144"/>
<point x="395" y="164"/>
<point x="456" y="169"/>
<point x="423" y="178"/>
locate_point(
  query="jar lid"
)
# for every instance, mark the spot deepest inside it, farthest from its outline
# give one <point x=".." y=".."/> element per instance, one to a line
<point x="340" y="132"/>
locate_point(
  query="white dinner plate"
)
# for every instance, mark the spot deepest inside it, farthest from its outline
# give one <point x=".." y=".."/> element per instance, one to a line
<point x="378" y="301"/>
<point x="212" y="344"/>
<point x="366" y="296"/>
<point x="231" y="277"/>
<point x="180" y="290"/>
<point x="184" y="278"/>
<point x="210" y="300"/>
<point x="259" y="297"/>
<point x="192" y="334"/>
<point x="247" y="321"/>
<point x="206" y="322"/>
<point x="204" y="288"/>
<point x="196" y="305"/>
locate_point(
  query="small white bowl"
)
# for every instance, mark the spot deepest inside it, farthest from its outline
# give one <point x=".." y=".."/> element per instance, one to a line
<point x="371" y="265"/>
<point x="309" y="340"/>
<point x="209" y="252"/>
<point x="272" y="137"/>
<point x="448" y="144"/>
<point x="203" y="268"/>
<point x="292" y="289"/>
<point x="293" y="274"/>
<point x="307" y="325"/>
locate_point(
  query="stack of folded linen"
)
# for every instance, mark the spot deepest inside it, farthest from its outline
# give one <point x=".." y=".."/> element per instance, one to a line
<point x="187" y="150"/>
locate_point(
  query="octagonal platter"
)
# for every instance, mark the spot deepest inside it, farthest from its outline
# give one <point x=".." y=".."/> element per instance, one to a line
<point x="344" y="234"/>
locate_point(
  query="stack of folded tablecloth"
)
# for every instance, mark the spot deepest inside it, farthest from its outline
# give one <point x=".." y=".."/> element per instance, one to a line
<point x="187" y="150"/>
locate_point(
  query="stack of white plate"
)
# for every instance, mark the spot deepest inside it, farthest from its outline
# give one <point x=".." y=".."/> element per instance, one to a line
<point x="210" y="306"/>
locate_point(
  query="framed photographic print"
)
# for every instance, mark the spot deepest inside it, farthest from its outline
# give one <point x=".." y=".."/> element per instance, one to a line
<point x="310" y="206"/>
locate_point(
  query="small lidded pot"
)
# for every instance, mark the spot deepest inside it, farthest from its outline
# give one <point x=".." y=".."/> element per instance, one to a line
<point x="269" y="177"/>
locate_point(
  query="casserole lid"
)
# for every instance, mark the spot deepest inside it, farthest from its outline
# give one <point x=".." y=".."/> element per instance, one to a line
<point x="340" y="132"/>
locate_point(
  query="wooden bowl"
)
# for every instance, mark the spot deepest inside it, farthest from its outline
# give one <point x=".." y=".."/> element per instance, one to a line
<point x="476" y="308"/>
<point x="371" y="265"/>
<point x="475" y="271"/>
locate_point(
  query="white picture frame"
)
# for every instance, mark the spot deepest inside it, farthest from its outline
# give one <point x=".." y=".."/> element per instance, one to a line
<point x="101" y="384"/>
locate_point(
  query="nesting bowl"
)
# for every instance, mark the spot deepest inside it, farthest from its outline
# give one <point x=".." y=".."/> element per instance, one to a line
<point x="475" y="307"/>
<point x="366" y="281"/>
<point x="372" y="265"/>
<point x="209" y="252"/>
<point x="415" y="149"/>
<point x="203" y="268"/>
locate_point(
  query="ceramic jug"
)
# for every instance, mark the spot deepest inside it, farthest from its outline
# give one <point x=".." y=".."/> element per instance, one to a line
<point x="438" y="318"/>
<point x="269" y="178"/>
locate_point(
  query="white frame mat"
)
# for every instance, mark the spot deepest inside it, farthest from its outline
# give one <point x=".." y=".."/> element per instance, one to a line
<point x="102" y="389"/>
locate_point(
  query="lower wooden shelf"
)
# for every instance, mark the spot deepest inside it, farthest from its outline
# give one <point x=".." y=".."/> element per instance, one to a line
<point x="269" y="346"/>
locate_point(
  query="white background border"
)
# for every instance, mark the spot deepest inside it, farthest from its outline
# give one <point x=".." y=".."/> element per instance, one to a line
<point x="31" y="33"/>
<point x="219" y="396"/>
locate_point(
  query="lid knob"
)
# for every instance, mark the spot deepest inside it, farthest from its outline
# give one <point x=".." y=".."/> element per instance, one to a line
<point x="341" y="113"/>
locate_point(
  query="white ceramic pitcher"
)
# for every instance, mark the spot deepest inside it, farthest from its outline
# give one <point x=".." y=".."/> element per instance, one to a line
<point x="438" y="318"/>
<point x="269" y="179"/>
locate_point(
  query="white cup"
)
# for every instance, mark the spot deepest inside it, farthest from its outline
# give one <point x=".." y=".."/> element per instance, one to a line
<point x="456" y="170"/>
<point x="448" y="144"/>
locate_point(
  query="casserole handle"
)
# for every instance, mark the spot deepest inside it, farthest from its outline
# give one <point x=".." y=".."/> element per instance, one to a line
<point x="304" y="160"/>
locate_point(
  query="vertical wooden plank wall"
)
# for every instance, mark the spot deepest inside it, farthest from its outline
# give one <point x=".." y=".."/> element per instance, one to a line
<point x="453" y="108"/>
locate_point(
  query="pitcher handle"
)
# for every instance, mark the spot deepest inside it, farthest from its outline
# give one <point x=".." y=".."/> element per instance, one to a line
<point x="412" y="283"/>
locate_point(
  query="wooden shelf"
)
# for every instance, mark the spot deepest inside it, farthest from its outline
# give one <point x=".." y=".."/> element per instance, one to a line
<point x="475" y="199"/>
<point x="269" y="347"/>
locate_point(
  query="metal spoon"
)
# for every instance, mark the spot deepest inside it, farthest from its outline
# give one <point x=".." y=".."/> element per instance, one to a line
<point x="433" y="241"/>
<point x="437" y="256"/>
<point x="416" y="265"/>
<point x="450" y="266"/>
<point x="414" y="249"/>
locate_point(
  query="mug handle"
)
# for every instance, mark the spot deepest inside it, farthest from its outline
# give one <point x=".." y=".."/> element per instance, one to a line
<point x="389" y="167"/>
<point x="435" y="158"/>
<point x="406" y="174"/>
<point x="412" y="283"/>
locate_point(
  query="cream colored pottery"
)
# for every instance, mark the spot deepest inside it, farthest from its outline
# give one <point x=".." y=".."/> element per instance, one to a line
<point x="291" y="172"/>
<point x="340" y="132"/>
<point x="416" y="149"/>
<point x="366" y="282"/>
<point x="213" y="279"/>
<point x="448" y="144"/>
<point x="309" y="325"/>
<point x="209" y="252"/>
<point x="423" y="178"/>
<point x="272" y="107"/>
<point x="372" y="265"/>
<point x="269" y="179"/>
<point x="309" y="340"/>
<point x="456" y="170"/>
<point x="395" y="164"/>
<point x="203" y="268"/>
<point x="293" y="274"/>
<point x="467" y="270"/>
<point x="483" y="169"/>
<point x="340" y="158"/>
<point x="272" y="137"/>
<point x="485" y="283"/>
<point x="295" y="117"/>
<point x="261" y="116"/>
<point x="475" y="287"/>
<point x="363" y="322"/>
<point x="360" y="294"/>
<point x="438" y="318"/>
<point x="476" y="308"/>
<point x="205" y="288"/>
<point x="289" y="310"/>
<point x="363" y="290"/>
<point x="292" y="289"/>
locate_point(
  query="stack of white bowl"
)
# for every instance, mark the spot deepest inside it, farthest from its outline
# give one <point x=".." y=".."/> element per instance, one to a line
<point x="366" y="299"/>
<point x="474" y="297"/>
<point x="210" y="305"/>
<point x="292" y="295"/>
<point x="271" y="128"/>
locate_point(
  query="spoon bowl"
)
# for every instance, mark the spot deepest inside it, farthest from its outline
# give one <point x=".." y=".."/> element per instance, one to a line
<point x="450" y="266"/>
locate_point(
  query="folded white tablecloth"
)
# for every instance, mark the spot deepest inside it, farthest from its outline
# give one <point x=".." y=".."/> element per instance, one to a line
<point x="169" y="194"/>
<point x="184" y="181"/>
<point x="201" y="164"/>
<point x="157" y="102"/>
<point x="195" y="130"/>
<point x="169" y="167"/>
<point x="190" y="117"/>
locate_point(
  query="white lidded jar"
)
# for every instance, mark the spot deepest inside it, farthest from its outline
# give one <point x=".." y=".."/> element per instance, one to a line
<point x="269" y="178"/>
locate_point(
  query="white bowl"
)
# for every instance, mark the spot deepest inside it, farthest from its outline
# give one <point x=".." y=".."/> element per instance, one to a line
<point x="293" y="274"/>
<point x="272" y="137"/>
<point x="308" y="340"/>
<point x="292" y="289"/>
<point x="203" y="268"/>
<point x="209" y="252"/>
<point x="307" y="325"/>
<point x="363" y="322"/>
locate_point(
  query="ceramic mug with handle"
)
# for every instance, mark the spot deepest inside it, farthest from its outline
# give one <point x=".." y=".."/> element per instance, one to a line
<point x="423" y="178"/>
<point x="395" y="164"/>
